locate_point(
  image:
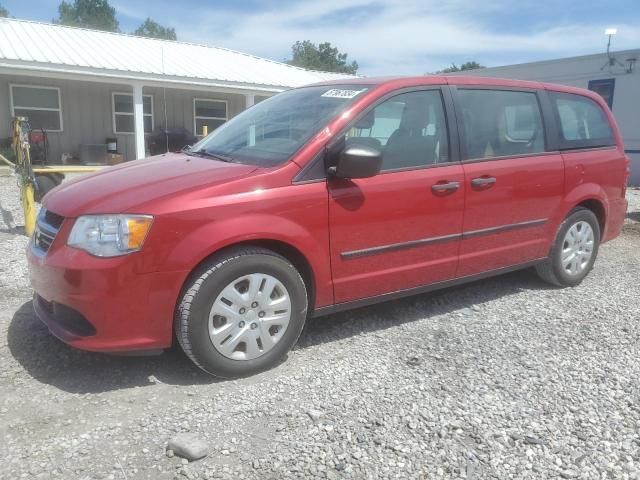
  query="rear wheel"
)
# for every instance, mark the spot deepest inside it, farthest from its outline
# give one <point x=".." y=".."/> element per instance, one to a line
<point x="574" y="251"/>
<point x="242" y="312"/>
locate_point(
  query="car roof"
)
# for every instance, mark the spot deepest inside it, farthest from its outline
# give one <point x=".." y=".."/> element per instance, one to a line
<point x="402" y="82"/>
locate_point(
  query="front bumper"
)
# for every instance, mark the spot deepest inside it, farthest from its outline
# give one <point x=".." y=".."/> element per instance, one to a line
<point x="103" y="304"/>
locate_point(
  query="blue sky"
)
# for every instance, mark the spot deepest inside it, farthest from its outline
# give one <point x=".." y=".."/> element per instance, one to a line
<point x="387" y="36"/>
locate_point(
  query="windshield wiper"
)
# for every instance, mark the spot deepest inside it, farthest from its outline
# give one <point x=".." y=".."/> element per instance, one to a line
<point x="207" y="154"/>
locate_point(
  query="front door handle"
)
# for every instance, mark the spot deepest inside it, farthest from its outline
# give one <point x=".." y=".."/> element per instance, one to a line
<point x="483" y="181"/>
<point x="445" y="187"/>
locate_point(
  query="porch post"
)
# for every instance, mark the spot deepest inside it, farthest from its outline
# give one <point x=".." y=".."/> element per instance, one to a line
<point x="138" y="120"/>
<point x="250" y="100"/>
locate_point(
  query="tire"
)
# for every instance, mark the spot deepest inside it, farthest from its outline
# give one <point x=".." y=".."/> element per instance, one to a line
<point x="207" y="288"/>
<point x="552" y="269"/>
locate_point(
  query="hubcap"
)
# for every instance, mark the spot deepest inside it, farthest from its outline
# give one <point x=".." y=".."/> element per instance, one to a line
<point x="249" y="316"/>
<point x="577" y="248"/>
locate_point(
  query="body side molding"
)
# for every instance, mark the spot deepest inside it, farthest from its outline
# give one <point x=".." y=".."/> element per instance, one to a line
<point x="364" y="252"/>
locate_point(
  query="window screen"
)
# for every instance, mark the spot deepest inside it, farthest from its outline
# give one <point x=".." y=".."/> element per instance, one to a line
<point x="123" y="117"/>
<point x="40" y="105"/>
<point x="209" y="113"/>
<point x="409" y="129"/>
<point x="501" y="123"/>
<point x="583" y="124"/>
<point x="604" y="88"/>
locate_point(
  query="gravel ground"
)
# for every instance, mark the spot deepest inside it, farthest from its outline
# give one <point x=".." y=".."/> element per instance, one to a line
<point x="504" y="378"/>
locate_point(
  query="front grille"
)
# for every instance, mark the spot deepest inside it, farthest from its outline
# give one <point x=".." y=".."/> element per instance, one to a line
<point x="43" y="240"/>
<point x="47" y="228"/>
<point x="52" y="219"/>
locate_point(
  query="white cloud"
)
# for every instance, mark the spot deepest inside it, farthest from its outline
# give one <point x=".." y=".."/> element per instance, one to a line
<point x="123" y="8"/>
<point x="400" y="36"/>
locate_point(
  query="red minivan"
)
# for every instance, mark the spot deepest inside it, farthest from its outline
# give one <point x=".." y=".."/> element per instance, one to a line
<point x="326" y="198"/>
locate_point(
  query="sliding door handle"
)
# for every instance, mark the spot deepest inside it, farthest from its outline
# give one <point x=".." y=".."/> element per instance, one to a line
<point x="445" y="187"/>
<point x="483" y="181"/>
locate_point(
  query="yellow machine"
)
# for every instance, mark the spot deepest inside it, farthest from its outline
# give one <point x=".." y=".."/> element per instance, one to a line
<point x="27" y="173"/>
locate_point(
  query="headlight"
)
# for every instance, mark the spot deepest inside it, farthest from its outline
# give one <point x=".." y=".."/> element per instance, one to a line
<point x="109" y="235"/>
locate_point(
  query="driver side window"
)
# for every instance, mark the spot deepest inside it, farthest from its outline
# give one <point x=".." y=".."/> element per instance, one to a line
<point x="409" y="130"/>
<point x="500" y="123"/>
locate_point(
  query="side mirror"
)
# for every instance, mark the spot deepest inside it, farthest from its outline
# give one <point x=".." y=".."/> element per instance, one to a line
<point x="357" y="161"/>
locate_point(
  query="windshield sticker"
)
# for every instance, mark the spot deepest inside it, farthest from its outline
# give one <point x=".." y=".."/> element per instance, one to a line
<point x="340" y="93"/>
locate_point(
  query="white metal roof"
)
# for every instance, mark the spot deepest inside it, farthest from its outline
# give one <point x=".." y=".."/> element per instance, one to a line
<point x="43" y="47"/>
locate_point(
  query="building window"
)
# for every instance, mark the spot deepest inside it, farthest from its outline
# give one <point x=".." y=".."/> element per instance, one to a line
<point x="123" y="117"/>
<point x="211" y="113"/>
<point x="604" y="88"/>
<point x="40" y="105"/>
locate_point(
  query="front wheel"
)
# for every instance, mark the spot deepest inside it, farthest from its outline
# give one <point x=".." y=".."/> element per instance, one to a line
<point x="241" y="312"/>
<point x="574" y="251"/>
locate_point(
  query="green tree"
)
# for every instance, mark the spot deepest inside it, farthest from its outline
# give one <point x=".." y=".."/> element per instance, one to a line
<point x="153" y="29"/>
<point x="324" y="57"/>
<point x="464" y="66"/>
<point x="95" y="14"/>
<point x="3" y="12"/>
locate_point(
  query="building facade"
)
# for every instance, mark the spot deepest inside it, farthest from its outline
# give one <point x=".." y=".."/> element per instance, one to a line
<point x="615" y="76"/>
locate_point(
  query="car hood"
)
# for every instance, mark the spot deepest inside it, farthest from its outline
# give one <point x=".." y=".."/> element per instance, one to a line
<point x="124" y="187"/>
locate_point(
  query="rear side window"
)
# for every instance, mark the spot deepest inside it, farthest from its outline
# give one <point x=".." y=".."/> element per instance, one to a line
<point x="501" y="123"/>
<point x="583" y="123"/>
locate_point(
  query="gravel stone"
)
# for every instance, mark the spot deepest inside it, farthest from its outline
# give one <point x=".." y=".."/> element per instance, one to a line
<point x="533" y="440"/>
<point x="314" y="414"/>
<point x="189" y="446"/>
<point x="450" y="384"/>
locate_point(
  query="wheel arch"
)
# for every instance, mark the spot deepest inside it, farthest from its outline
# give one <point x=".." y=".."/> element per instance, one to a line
<point x="598" y="209"/>
<point x="286" y="250"/>
<point x="590" y="196"/>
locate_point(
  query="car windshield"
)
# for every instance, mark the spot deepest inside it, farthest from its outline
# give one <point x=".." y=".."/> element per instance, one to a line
<point x="270" y="132"/>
